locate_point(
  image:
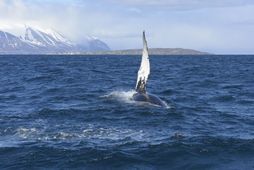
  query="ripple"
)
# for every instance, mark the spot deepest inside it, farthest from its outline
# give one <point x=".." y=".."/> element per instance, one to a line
<point x="76" y="112"/>
<point x="224" y="98"/>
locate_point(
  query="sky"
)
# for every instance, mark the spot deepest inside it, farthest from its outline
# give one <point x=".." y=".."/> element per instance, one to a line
<point x="215" y="26"/>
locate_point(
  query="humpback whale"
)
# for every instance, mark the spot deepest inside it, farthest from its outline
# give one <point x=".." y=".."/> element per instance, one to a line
<point x="141" y="95"/>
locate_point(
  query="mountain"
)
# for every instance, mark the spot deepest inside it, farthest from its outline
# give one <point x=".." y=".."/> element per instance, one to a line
<point x="37" y="41"/>
<point x="46" y="42"/>
<point x="92" y="44"/>
<point x="11" y="44"/>
<point x="153" y="51"/>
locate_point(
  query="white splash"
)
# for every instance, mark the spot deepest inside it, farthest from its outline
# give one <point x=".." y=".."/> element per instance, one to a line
<point x="26" y="132"/>
<point x="124" y="96"/>
<point x="89" y="133"/>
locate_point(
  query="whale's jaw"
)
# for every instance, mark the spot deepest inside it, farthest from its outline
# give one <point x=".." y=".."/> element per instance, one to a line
<point x="151" y="99"/>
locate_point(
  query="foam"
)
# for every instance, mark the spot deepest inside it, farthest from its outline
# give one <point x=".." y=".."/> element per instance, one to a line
<point x="102" y="133"/>
<point x="123" y="96"/>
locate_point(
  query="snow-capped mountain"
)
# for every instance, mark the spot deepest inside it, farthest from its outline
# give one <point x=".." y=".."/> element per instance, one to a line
<point x="11" y="44"/>
<point x="45" y="39"/>
<point x="90" y="43"/>
<point x="45" y="42"/>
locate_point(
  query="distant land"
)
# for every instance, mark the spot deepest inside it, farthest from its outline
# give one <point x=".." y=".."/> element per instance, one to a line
<point x="152" y="51"/>
<point x="50" y="42"/>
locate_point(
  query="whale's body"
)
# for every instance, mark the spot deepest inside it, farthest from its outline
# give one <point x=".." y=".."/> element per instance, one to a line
<point x="141" y="95"/>
<point x="149" y="98"/>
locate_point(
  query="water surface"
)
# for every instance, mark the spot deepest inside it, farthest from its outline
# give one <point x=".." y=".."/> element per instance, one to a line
<point x="76" y="112"/>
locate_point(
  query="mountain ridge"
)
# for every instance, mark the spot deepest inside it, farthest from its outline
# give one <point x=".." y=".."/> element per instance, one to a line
<point x="37" y="41"/>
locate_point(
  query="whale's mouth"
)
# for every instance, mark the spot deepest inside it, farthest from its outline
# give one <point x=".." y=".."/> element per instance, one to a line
<point x="127" y="97"/>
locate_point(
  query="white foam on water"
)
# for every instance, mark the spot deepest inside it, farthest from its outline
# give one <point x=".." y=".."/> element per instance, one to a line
<point x="23" y="134"/>
<point x="26" y="132"/>
<point x="123" y="96"/>
<point x="91" y="134"/>
<point x="112" y="134"/>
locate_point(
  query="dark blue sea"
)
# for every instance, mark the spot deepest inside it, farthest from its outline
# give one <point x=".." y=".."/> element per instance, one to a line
<point x="63" y="112"/>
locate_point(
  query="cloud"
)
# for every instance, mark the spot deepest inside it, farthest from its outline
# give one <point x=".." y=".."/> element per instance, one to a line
<point x="185" y="4"/>
<point x="215" y="26"/>
<point x="66" y="17"/>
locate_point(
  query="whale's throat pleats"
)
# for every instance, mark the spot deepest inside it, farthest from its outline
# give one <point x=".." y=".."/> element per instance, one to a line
<point x="144" y="69"/>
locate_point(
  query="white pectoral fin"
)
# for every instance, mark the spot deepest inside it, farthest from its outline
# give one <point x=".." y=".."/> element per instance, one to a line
<point x="144" y="69"/>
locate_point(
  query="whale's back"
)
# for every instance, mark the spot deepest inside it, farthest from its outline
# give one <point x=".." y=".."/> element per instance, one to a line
<point x="144" y="97"/>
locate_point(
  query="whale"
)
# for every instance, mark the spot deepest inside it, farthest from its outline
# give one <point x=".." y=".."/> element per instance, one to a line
<point x="149" y="98"/>
<point x="141" y="94"/>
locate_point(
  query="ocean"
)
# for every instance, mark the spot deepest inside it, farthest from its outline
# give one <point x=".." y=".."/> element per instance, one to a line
<point x="66" y="112"/>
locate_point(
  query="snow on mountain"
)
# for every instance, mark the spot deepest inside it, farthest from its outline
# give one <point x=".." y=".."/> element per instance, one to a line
<point x="10" y="43"/>
<point x="8" y="40"/>
<point x="90" y="43"/>
<point x="59" y="37"/>
<point x="47" y="41"/>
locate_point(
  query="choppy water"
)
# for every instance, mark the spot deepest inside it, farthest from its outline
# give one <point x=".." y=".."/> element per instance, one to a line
<point x="76" y="112"/>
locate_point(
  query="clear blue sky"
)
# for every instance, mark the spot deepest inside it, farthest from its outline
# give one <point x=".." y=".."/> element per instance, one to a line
<point x="216" y="26"/>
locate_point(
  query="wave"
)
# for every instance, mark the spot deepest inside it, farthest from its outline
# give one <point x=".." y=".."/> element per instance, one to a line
<point x="114" y="136"/>
<point x="99" y="136"/>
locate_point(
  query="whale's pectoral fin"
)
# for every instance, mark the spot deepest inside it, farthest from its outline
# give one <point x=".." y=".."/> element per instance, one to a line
<point x="141" y="86"/>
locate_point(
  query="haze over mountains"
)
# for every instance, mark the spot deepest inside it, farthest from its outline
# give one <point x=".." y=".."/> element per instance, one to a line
<point x="36" y="41"/>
